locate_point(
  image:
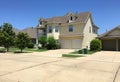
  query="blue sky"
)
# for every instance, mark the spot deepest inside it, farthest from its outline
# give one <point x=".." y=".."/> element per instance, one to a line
<point x="25" y="13"/>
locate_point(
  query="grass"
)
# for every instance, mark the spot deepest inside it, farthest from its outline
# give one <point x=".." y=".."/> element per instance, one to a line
<point x="2" y="50"/>
<point x="82" y="52"/>
<point x="26" y="50"/>
<point x="77" y="54"/>
<point x="71" y="55"/>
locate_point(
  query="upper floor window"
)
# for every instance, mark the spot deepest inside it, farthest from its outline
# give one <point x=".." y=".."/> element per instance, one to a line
<point x="90" y="29"/>
<point x="95" y="31"/>
<point x="70" y="28"/>
<point x="56" y="28"/>
<point x="40" y="23"/>
<point x="50" y="29"/>
<point x="71" y="18"/>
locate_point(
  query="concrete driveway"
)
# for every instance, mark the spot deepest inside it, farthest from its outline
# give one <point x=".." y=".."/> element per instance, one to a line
<point x="41" y="67"/>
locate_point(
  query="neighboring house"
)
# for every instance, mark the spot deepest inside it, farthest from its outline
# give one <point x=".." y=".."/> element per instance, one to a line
<point x="32" y="32"/>
<point x="73" y="31"/>
<point x="111" y="40"/>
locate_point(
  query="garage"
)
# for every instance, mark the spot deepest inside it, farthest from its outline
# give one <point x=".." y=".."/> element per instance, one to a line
<point x="111" y="45"/>
<point x="71" y="43"/>
<point x="119" y="44"/>
<point x="111" y="40"/>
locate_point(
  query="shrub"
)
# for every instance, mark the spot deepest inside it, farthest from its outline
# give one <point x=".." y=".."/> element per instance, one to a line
<point x="52" y="43"/>
<point x="95" y="45"/>
<point x="30" y="45"/>
<point x="42" y="40"/>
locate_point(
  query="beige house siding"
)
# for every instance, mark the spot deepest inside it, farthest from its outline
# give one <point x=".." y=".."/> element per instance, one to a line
<point x="88" y="36"/>
<point x="54" y="34"/>
<point x="72" y="40"/>
<point x="78" y="29"/>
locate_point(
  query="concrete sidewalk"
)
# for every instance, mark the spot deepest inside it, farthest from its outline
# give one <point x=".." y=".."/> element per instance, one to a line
<point x="40" y="67"/>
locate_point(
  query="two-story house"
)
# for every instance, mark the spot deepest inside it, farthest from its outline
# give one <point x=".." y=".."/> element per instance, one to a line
<point x="73" y="31"/>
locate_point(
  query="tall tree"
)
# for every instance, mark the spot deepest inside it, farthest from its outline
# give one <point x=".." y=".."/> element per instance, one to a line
<point x="7" y="35"/>
<point x="22" y="40"/>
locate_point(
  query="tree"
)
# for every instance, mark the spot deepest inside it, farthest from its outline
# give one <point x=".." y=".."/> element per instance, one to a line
<point x="7" y="35"/>
<point x="95" y="45"/>
<point x="42" y="40"/>
<point x="22" y="40"/>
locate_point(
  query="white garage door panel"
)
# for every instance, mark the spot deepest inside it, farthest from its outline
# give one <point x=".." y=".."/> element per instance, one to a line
<point x="66" y="44"/>
<point x="71" y="44"/>
<point x="76" y="43"/>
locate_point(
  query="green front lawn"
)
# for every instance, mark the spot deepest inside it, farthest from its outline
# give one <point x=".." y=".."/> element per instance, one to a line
<point x="26" y="50"/>
<point x="82" y="52"/>
<point x="78" y="53"/>
<point x="72" y="55"/>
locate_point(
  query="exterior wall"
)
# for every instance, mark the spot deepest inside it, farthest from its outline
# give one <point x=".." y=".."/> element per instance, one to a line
<point x="54" y="34"/>
<point x="78" y="29"/>
<point x="71" y="40"/>
<point x="88" y="36"/>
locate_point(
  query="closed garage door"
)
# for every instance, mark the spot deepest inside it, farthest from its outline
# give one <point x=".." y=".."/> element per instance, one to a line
<point x="71" y="44"/>
<point x="66" y="44"/>
<point x="119" y="44"/>
<point x="109" y="45"/>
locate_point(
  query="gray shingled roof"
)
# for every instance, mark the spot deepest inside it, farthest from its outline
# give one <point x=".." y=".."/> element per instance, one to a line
<point x="30" y="31"/>
<point x="81" y="17"/>
<point x="106" y="33"/>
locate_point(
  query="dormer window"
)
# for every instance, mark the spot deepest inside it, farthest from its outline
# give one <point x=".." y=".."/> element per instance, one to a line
<point x="40" y="23"/>
<point x="71" y="18"/>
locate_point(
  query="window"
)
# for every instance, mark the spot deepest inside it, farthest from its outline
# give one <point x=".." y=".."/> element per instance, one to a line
<point x="90" y="29"/>
<point x="40" y="23"/>
<point x="95" y="31"/>
<point x="71" y="18"/>
<point x="70" y="28"/>
<point x="56" y="28"/>
<point x="50" y="29"/>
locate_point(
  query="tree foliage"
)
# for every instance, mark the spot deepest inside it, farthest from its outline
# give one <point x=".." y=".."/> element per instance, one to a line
<point x="7" y="35"/>
<point x="42" y="40"/>
<point x="95" y="45"/>
<point x="52" y="43"/>
<point x="30" y="44"/>
<point x="22" y="40"/>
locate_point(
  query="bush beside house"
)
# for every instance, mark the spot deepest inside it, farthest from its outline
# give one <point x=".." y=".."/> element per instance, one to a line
<point x="42" y="40"/>
<point x="30" y="44"/>
<point x="95" y="45"/>
<point x="49" y="43"/>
